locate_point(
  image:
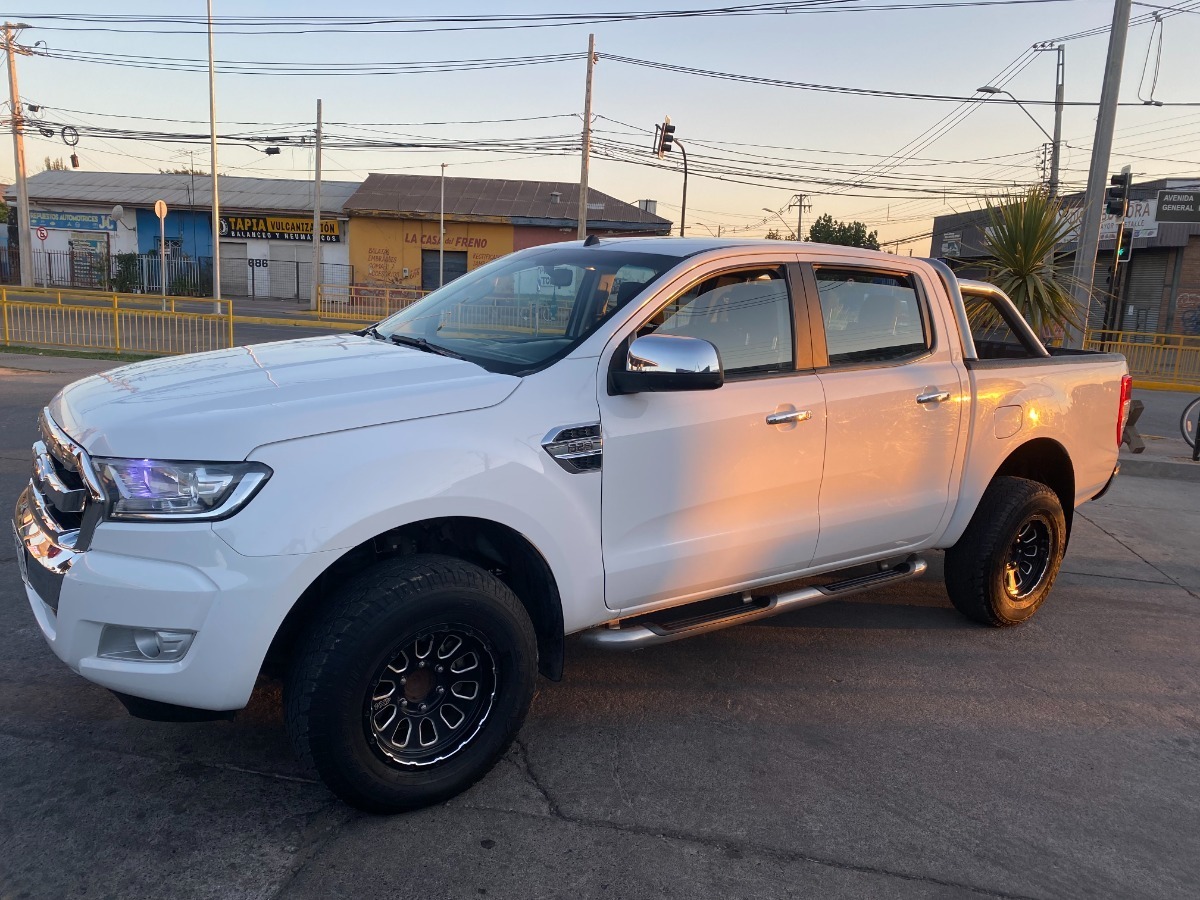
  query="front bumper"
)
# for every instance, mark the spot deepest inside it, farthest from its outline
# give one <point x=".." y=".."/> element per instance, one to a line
<point x="178" y="577"/>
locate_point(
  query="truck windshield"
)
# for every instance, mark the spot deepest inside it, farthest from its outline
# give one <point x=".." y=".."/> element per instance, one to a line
<point x="522" y="312"/>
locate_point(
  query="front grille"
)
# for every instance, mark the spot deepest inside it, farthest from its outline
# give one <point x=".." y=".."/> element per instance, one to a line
<point x="68" y="461"/>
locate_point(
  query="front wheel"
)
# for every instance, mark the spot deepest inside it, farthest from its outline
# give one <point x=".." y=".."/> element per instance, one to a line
<point x="412" y="683"/>
<point x="1004" y="565"/>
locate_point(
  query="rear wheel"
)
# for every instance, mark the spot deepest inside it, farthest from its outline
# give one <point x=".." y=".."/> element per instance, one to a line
<point x="1005" y="564"/>
<point x="413" y="682"/>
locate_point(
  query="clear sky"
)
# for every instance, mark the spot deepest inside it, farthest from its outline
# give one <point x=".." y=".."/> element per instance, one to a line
<point x="803" y="137"/>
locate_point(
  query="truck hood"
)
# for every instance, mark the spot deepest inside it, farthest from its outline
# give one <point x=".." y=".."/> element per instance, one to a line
<point x="221" y="405"/>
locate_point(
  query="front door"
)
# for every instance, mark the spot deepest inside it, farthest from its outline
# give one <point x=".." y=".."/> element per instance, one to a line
<point x="893" y="396"/>
<point x="700" y="493"/>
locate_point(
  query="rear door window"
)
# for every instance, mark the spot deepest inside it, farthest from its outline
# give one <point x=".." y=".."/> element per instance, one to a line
<point x="870" y="316"/>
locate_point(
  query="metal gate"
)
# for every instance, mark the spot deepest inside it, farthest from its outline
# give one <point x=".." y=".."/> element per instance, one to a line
<point x="455" y="267"/>
<point x="1143" y="292"/>
<point x="235" y="279"/>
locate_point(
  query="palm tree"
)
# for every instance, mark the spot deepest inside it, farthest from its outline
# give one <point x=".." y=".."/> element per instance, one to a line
<point x="1025" y="230"/>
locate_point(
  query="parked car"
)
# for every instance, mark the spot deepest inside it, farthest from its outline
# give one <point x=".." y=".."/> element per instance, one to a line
<point x="408" y="522"/>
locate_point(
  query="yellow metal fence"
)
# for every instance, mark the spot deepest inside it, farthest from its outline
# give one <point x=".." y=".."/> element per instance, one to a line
<point x="1168" y="359"/>
<point x="137" y="325"/>
<point x="361" y="303"/>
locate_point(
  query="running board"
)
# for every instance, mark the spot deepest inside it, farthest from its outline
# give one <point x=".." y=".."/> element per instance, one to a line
<point x="687" y="621"/>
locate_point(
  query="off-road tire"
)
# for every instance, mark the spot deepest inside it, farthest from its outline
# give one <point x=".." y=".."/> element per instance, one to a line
<point x="345" y="651"/>
<point x="979" y="578"/>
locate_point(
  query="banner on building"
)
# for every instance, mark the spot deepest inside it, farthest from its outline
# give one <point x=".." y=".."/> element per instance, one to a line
<point x="71" y="221"/>
<point x="1141" y="221"/>
<point x="279" y="228"/>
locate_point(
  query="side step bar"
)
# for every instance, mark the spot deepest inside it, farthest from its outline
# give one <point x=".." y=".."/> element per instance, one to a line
<point x="675" y="624"/>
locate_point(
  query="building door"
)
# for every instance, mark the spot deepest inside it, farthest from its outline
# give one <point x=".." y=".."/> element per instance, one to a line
<point x="455" y="266"/>
<point x="235" y="277"/>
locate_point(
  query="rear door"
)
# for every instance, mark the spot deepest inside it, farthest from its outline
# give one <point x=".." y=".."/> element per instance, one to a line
<point x="894" y="401"/>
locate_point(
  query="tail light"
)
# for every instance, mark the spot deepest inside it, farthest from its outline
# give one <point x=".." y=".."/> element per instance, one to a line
<point x="1123" y="413"/>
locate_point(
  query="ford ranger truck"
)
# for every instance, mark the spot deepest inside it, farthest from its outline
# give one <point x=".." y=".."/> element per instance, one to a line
<point x="631" y="440"/>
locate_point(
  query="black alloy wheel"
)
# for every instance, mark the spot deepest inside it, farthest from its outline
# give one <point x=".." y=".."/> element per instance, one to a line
<point x="1004" y="565"/>
<point x="411" y="682"/>
<point x="432" y="697"/>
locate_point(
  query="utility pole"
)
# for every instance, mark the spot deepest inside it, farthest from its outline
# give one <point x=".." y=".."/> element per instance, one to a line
<point x="1088" y="241"/>
<point x="800" y="205"/>
<point x="18" y="130"/>
<point x="1056" y="147"/>
<point x="216" y="205"/>
<point x="587" y="139"/>
<point x="316" y="260"/>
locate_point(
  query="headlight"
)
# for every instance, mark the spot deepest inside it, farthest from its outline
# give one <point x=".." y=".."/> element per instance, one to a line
<point x="177" y="491"/>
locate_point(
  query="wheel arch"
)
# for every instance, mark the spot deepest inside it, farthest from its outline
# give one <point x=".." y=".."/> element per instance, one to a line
<point x="1047" y="461"/>
<point x="491" y="545"/>
<point x="1041" y="459"/>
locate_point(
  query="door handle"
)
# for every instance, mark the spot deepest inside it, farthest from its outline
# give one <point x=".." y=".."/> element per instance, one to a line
<point x="795" y="415"/>
<point x="933" y="397"/>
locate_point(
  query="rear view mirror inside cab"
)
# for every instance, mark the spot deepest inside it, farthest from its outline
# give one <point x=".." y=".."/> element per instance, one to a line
<point x="561" y="276"/>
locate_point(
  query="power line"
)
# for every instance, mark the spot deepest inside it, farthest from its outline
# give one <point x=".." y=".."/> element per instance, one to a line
<point x="266" y="25"/>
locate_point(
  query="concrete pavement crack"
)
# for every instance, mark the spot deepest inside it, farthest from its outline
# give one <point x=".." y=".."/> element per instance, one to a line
<point x="773" y="853"/>
<point x="314" y="846"/>
<point x="1165" y="575"/>
<point x="535" y="782"/>
<point x="726" y="845"/>
<point x="1113" y="577"/>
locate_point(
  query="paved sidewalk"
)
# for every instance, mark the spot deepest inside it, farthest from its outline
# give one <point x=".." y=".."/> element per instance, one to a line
<point x="1167" y="455"/>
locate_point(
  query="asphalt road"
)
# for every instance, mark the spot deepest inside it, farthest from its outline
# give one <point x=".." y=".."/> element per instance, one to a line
<point x="877" y="747"/>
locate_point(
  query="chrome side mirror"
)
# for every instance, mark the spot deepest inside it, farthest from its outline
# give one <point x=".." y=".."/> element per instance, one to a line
<point x="668" y="362"/>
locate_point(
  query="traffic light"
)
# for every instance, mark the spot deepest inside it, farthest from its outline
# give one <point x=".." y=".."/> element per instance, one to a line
<point x="1116" y="198"/>
<point x="666" y="137"/>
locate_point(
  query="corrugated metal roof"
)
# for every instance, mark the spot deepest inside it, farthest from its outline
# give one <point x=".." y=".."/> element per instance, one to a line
<point x="533" y="202"/>
<point x="138" y="189"/>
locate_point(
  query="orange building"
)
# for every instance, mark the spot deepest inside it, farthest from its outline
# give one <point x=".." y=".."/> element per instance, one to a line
<point x="394" y="220"/>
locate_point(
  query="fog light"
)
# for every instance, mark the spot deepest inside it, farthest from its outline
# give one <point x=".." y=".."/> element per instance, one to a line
<point x="144" y="644"/>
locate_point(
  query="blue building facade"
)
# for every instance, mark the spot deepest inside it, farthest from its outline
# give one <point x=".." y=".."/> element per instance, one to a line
<point x="188" y="232"/>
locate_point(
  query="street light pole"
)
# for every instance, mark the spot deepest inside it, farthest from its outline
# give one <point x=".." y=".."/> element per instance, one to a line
<point x="315" y="299"/>
<point x="442" y="232"/>
<point x="775" y="213"/>
<point x="587" y="140"/>
<point x="1056" y="146"/>
<point x="1056" y="138"/>
<point x="683" y="207"/>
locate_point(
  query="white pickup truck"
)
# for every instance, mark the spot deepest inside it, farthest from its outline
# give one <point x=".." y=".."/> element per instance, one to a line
<point x="632" y="440"/>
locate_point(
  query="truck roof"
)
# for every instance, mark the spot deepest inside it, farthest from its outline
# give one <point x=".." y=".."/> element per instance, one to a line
<point x="690" y="246"/>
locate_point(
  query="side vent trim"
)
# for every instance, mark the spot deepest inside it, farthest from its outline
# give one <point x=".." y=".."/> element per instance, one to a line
<point x="577" y="448"/>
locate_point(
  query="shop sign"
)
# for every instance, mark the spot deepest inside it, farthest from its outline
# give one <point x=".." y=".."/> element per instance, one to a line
<point x="72" y="221"/>
<point x="1141" y="220"/>
<point x="1179" y="206"/>
<point x="279" y="228"/>
<point x="951" y="243"/>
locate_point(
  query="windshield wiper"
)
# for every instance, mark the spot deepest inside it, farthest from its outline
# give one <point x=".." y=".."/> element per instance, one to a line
<point x="372" y="332"/>
<point x="421" y="344"/>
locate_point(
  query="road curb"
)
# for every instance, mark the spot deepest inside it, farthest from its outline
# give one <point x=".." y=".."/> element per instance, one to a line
<point x="1160" y="468"/>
